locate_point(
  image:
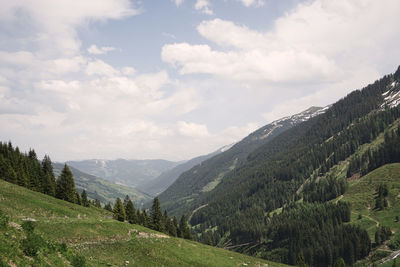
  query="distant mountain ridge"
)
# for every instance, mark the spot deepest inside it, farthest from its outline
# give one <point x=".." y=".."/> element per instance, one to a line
<point x="133" y="173"/>
<point x="162" y="182"/>
<point x="184" y="192"/>
<point x="101" y="189"/>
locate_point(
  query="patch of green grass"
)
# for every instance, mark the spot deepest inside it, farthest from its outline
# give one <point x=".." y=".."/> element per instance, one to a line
<point x="91" y="233"/>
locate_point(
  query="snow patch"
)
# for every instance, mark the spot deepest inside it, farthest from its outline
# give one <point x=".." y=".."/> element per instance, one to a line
<point x="391" y="98"/>
<point x="227" y="147"/>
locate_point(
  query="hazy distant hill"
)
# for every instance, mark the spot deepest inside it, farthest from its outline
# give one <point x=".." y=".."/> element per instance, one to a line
<point x="100" y="189"/>
<point x="133" y="173"/>
<point x="165" y="179"/>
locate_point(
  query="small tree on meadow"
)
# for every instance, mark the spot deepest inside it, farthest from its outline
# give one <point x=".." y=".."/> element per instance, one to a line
<point x="131" y="216"/>
<point x="119" y="211"/>
<point x="156" y="216"/>
<point x="66" y="186"/>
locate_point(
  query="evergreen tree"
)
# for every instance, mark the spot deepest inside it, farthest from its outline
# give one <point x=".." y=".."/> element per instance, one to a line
<point x="85" y="201"/>
<point x="97" y="203"/>
<point x="108" y="207"/>
<point x="78" y="199"/>
<point x="146" y="219"/>
<point x="300" y="261"/>
<point x="340" y="263"/>
<point x="131" y="212"/>
<point x="156" y="216"/>
<point x="65" y="185"/>
<point x="126" y="200"/>
<point x="10" y="175"/>
<point x="169" y="225"/>
<point x="119" y="210"/>
<point x="176" y="226"/>
<point x="184" y="228"/>
<point x="49" y="180"/>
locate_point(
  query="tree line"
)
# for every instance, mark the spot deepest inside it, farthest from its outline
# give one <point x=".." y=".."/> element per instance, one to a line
<point x="156" y="220"/>
<point x="26" y="170"/>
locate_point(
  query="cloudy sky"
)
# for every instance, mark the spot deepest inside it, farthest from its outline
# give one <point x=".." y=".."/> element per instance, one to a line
<point x="175" y="79"/>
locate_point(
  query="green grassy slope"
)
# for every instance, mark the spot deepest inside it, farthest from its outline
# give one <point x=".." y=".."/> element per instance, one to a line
<point x="102" y="241"/>
<point x="361" y="194"/>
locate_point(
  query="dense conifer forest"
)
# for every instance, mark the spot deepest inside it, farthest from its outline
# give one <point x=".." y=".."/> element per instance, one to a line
<point x="295" y="167"/>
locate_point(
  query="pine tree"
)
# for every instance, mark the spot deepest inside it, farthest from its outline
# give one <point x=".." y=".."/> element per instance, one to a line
<point x="97" y="203"/>
<point x="119" y="210"/>
<point x="78" y="199"/>
<point x="156" y="216"/>
<point x="49" y="180"/>
<point x="126" y="200"/>
<point x="169" y="225"/>
<point x="175" y="224"/>
<point x="85" y="201"/>
<point x="108" y="207"/>
<point x="340" y="263"/>
<point x="300" y="261"/>
<point x="146" y="219"/>
<point x="65" y="185"/>
<point x="131" y="212"/>
<point x="184" y="228"/>
<point x="10" y="175"/>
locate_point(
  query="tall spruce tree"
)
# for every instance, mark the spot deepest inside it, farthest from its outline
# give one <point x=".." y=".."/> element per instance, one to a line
<point x="66" y="186"/>
<point x="119" y="210"/>
<point x="85" y="201"/>
<point x="126" y="200"/>
<point x="108" y="207"/>
<point x="78" y="199"/>
<point x="131" y="212"/>
<point x="169" y="225"/>
<point x="156" y="216"/>
<point x="184" y="229"/>
<point x="48" y="178"/>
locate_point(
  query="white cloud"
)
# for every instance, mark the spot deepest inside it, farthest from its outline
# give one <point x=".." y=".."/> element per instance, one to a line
<point x="256" y="3"/>
<point x="204" y="6"/>
<point x="317" y="42"/>
<point x="178" y="2"/>
<point x="54" y="22"/>
<point x="94" y="50"/>
<point x="193" y="130"/>
<point x="99" y="67"/>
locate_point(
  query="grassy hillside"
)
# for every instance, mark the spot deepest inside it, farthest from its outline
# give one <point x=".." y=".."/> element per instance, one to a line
<point x="361" y="194"/>
<point x="100" y="189"/>
<point x="91" y="233"/>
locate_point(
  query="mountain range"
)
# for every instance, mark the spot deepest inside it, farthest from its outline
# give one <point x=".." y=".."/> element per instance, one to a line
<point x="133" y="173"/>
<point x="204" y="177"/>
<point x="103" y="190"/>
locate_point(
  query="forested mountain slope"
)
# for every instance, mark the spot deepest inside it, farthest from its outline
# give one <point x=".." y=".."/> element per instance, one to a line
<point x="165" y="179"/>
<point x="185" y="192"/>
<point x="298" y="166"/>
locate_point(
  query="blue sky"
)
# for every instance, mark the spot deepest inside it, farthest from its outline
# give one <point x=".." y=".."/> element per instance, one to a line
<point x="175" y="79"/>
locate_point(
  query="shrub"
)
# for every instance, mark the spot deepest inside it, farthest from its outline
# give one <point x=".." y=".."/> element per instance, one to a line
<point x="28" y="226"/>
<point x="32" y="244"/>
<point x="78" y="261"/>
<point x="3" y="220"/>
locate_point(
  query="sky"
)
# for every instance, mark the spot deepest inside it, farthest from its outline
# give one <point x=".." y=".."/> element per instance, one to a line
<point x="175" y="79"/>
